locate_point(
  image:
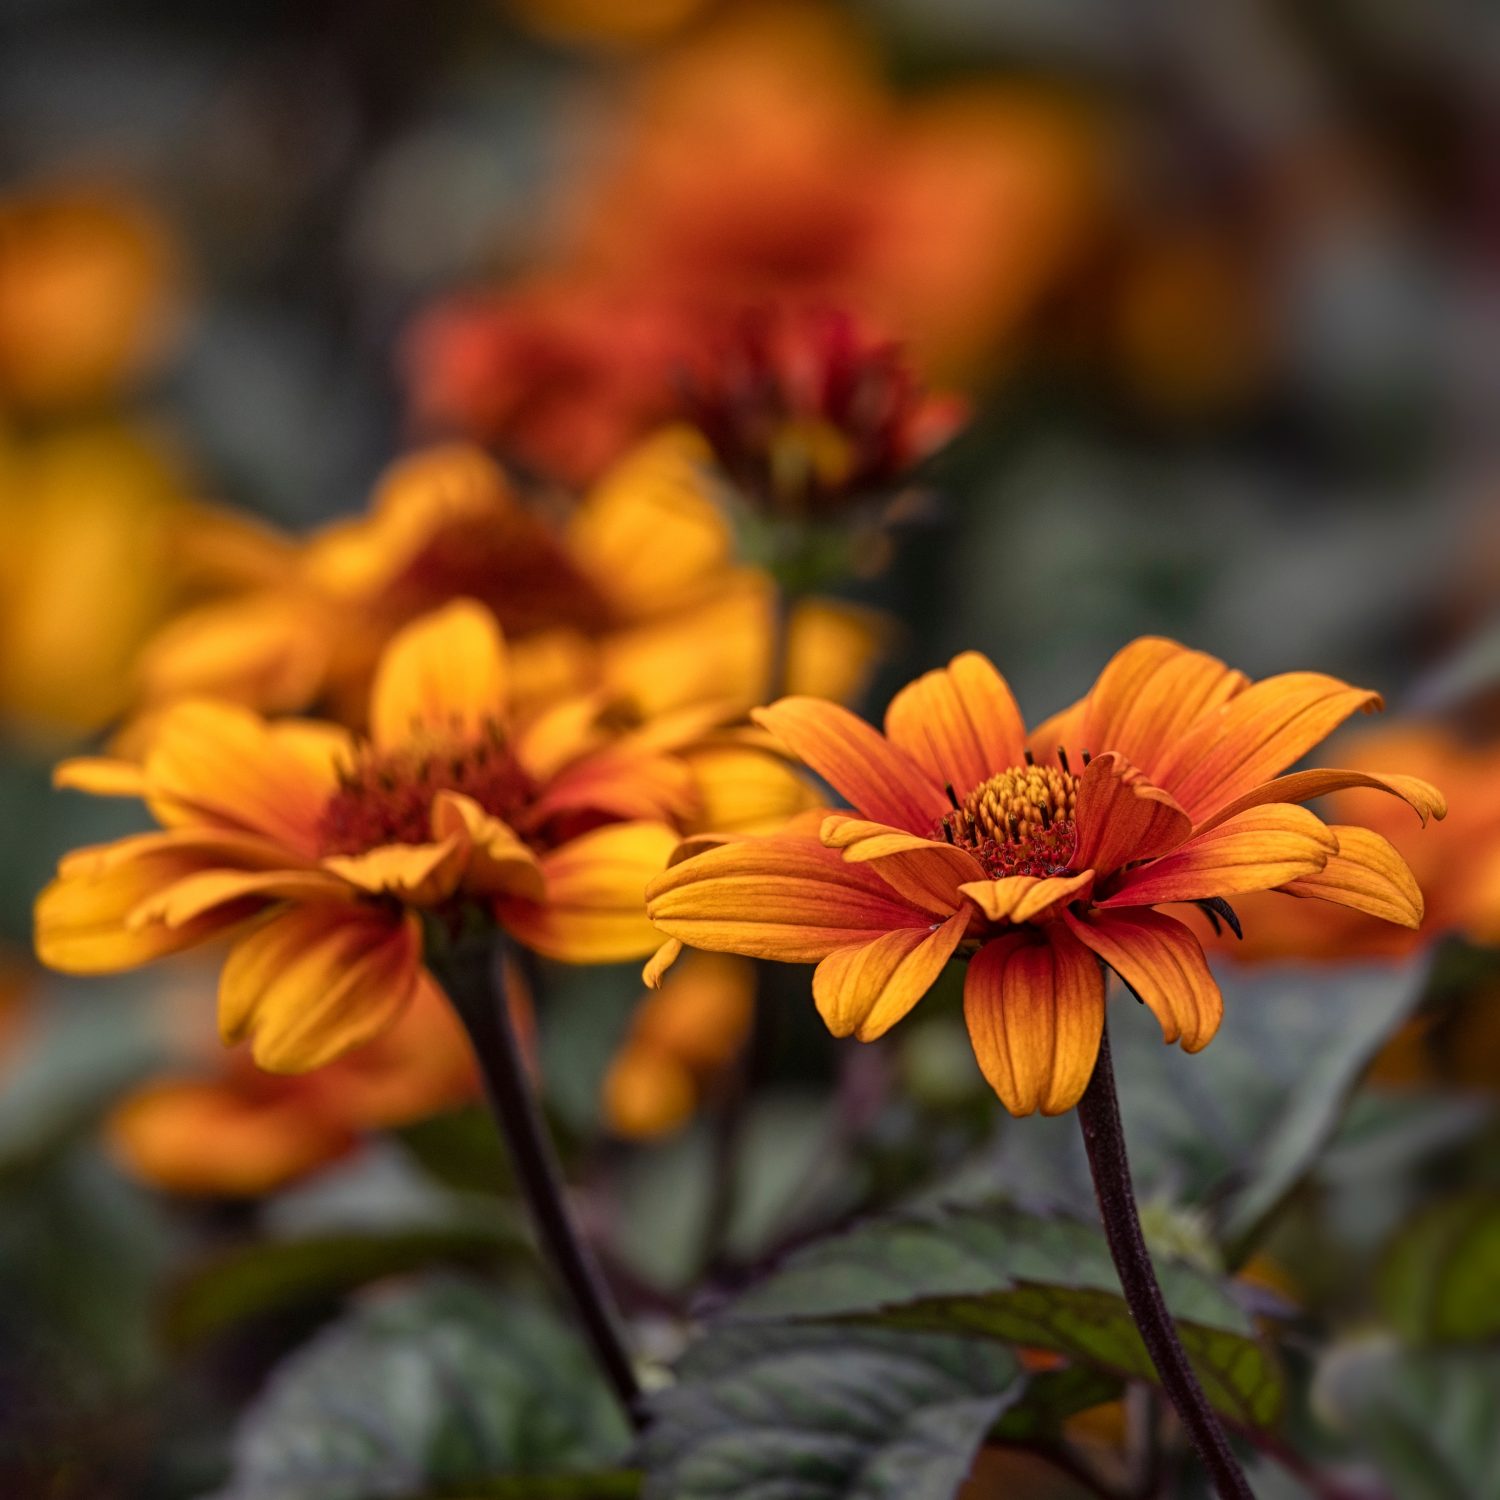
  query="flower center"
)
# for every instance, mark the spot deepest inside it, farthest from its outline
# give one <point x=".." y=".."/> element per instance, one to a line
<point x="1017" y="823"/>
<point x="387" y="799"/>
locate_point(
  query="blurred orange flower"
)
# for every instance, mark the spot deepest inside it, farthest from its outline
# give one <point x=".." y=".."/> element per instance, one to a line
<point x="681" y="1038"/>
<point x="90" y="295"/>
<point x="965" y="832"/>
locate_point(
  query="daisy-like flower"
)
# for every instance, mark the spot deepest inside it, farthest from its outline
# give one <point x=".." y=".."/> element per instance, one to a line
<point x="317" y="853"/>
<point x="1045" y="857"/>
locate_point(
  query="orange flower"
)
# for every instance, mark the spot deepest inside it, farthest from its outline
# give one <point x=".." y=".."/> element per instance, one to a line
<point x="1044" y="856"/>
<point x="235" y="1130"/>
<point x="315" y="852"/>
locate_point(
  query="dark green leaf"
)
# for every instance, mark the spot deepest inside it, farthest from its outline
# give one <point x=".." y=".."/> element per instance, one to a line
<point x="427" y="1389"/>
<point x="1440" y="1280"/>
<point x="1012" y="1275"/>
<point x="820" y="1413"/>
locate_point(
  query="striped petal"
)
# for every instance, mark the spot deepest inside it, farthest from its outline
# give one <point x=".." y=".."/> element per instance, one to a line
<point x="1256" y="850"/>
<point x="1023" y="898"/>
<point x="927" y="872"/>
<point x="198" y="895"/>
<point x="879" y="779"/>
<point x="785" y="897"/>
<point x="960" y="723"/>
<point x="1366" y="874"/>
<point x="865" y="989"/>
<point x="1302" y="786"/>
<point x="1121" y="816"/>
<point x="1161" y="960"/>
<point x="1034" y="1004"/>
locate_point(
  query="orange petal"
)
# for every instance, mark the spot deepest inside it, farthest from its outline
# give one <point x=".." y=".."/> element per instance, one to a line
<point x="199" y="894"/>
<point x="744" y="787"/>
<point x="785" y="897"/>
<point x="1022" y="898"/>
<point x="624" y="784"/>
<point x="1254" y="736"/>
<point x="100" y="776"/>
<point x="927" y="872"/>
<point x="499" y="863"/>
<point x="1122" y="817"/>
<point x="879" y="779"/>
<point x="595" y="905"/>
<point x="1161" y="960"/>
<point x="419" y="874"/>
<point x="1034" y="1004"/>
<point x="443" y="675"/>
<point x="1255" y="850"/>
<point x="203" y="848"/>
<point x="1302" y="786"/>
<point x="318" y="980"/>
<point x="660" y="961"/>
<point x="1147" y="697"/>
<point x="1367" y="874"/>
<point x="960" y="723"/>
<point x="1064" y="730"/>
<point x="865" y="989"/>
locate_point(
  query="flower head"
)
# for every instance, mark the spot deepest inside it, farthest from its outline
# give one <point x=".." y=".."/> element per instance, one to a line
<point x="1043" y="856"/>
<point x="316" y="852"/>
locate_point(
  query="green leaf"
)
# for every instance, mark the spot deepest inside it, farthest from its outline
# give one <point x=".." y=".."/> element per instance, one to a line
<point x="270" y="1275"/>
<point x="820" y="1413"/>
<point x="1440" y="1278"/>
<point x="1049" y="1282"/>
<point x="432" y="1388"/>
<point x="1427" y="1418"/>
<point x="1050" y="1398"/>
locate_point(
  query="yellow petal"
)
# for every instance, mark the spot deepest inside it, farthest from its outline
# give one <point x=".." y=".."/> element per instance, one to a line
<point x="1368" y="875"/>
<point x="745" y="788"/>
<point x="927" y="872"/>
<point x="499" y="863"/>
<point x="865" y="989"/>
<point x="100" y="777"/>
<point x="198" y="895"/>
<point x="442" y="676"/>
<point x="832" y="649"/>
<point x="419" y="874"/>
<point x="1023" y="898"/>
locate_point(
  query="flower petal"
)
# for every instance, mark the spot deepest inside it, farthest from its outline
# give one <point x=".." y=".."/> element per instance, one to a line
<point x="927" y="872"/>
<point x="660" y="961"/>
<point x="878" y="778"/>
<point x="419" y="874"/>
<point x="1161" y="960"/>
<point x="318" y="980"/>
<point x="1022" y="898"/>
<point x="1301" y="786"/>
<point x="1255" y="735"/>
<point x="622" y="784"/>
<point x="442" y="675"/>
<point x="960" y="723"/>
<point x="1148" y="695"/>
<point x="1034" y="1004"/>
<point x="745" y="788"/>
<point x="863" y="990"/>
<point x="197" y="895"/>
<point x="1366" y="874"/>
<point x="1121" y="816"/>
<point x="784" y="897"/>
<point x="100" y="776"/>
<point x="499" y="863"/>
<point x="1255" y="850"/>
<point x="595" y="905"/>
<point x="1064" y="730"/>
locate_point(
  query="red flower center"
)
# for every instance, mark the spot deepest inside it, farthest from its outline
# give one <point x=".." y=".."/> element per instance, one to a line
<point x="387" y="799"/>
<point x="1020" y="822"/>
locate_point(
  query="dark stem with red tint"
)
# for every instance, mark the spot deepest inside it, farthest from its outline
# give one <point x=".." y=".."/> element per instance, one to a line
<point x="470" y="972"/>
<point x="1104" y="1139"/>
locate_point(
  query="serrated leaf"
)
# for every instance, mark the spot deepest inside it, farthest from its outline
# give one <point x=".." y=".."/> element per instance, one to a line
<point x="1440" y="1277"/>
<point x="817" y="1413"/>
<point x="1426" y="1417"/>
<point x="1000" y="1271"/>
<point x="428" y="1389"/>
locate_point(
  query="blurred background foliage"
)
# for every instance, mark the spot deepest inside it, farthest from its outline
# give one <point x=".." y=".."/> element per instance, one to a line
<point x="1220" y="288"/>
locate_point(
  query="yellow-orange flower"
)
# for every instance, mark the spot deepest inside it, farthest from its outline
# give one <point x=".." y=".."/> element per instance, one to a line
<point x="1044" y="855"/>
<point x="315" y="852"/>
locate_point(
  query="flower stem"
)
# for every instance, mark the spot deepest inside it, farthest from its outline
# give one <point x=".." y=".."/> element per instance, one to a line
<point x="1104" y="1140"/>
<point x="470" y="973"/>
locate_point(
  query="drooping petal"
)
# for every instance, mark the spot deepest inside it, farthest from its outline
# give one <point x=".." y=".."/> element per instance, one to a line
<point x="1034" y="1004"/>
<point x="1302" y="786"/>
<point x="1121" y="816"/>
<point x="1254" y="736"/>
<point x="1148" y="695"/>
<point x="443" y="675"/>
<point x="659" y="962"/>
<point x="100" y="776"/>
<point x="204" y="848"/>
<point x="499" y="864"/>
<point x="418" y="874"/>
<point x="746" y="788"/>
<point x="1255" y="850"/>
<point x="1023" y="898"/>
<point x="927" y="872"/>
<point x="879" y="779"/>
<point x="785" y="897"/>
<point x="1367" y="874"/>
<point x="959" y="723"/>
<point x="863" y="990"/>
<point x="1161" y="960"/>
<point x="200" y="894"/>
<point x="318" y="980"/>
<point x="594" y="910"/>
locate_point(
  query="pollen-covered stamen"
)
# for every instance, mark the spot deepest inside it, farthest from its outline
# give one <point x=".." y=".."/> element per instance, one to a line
<point x="1020" y="822"/>
<point x="387" y="799"/>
